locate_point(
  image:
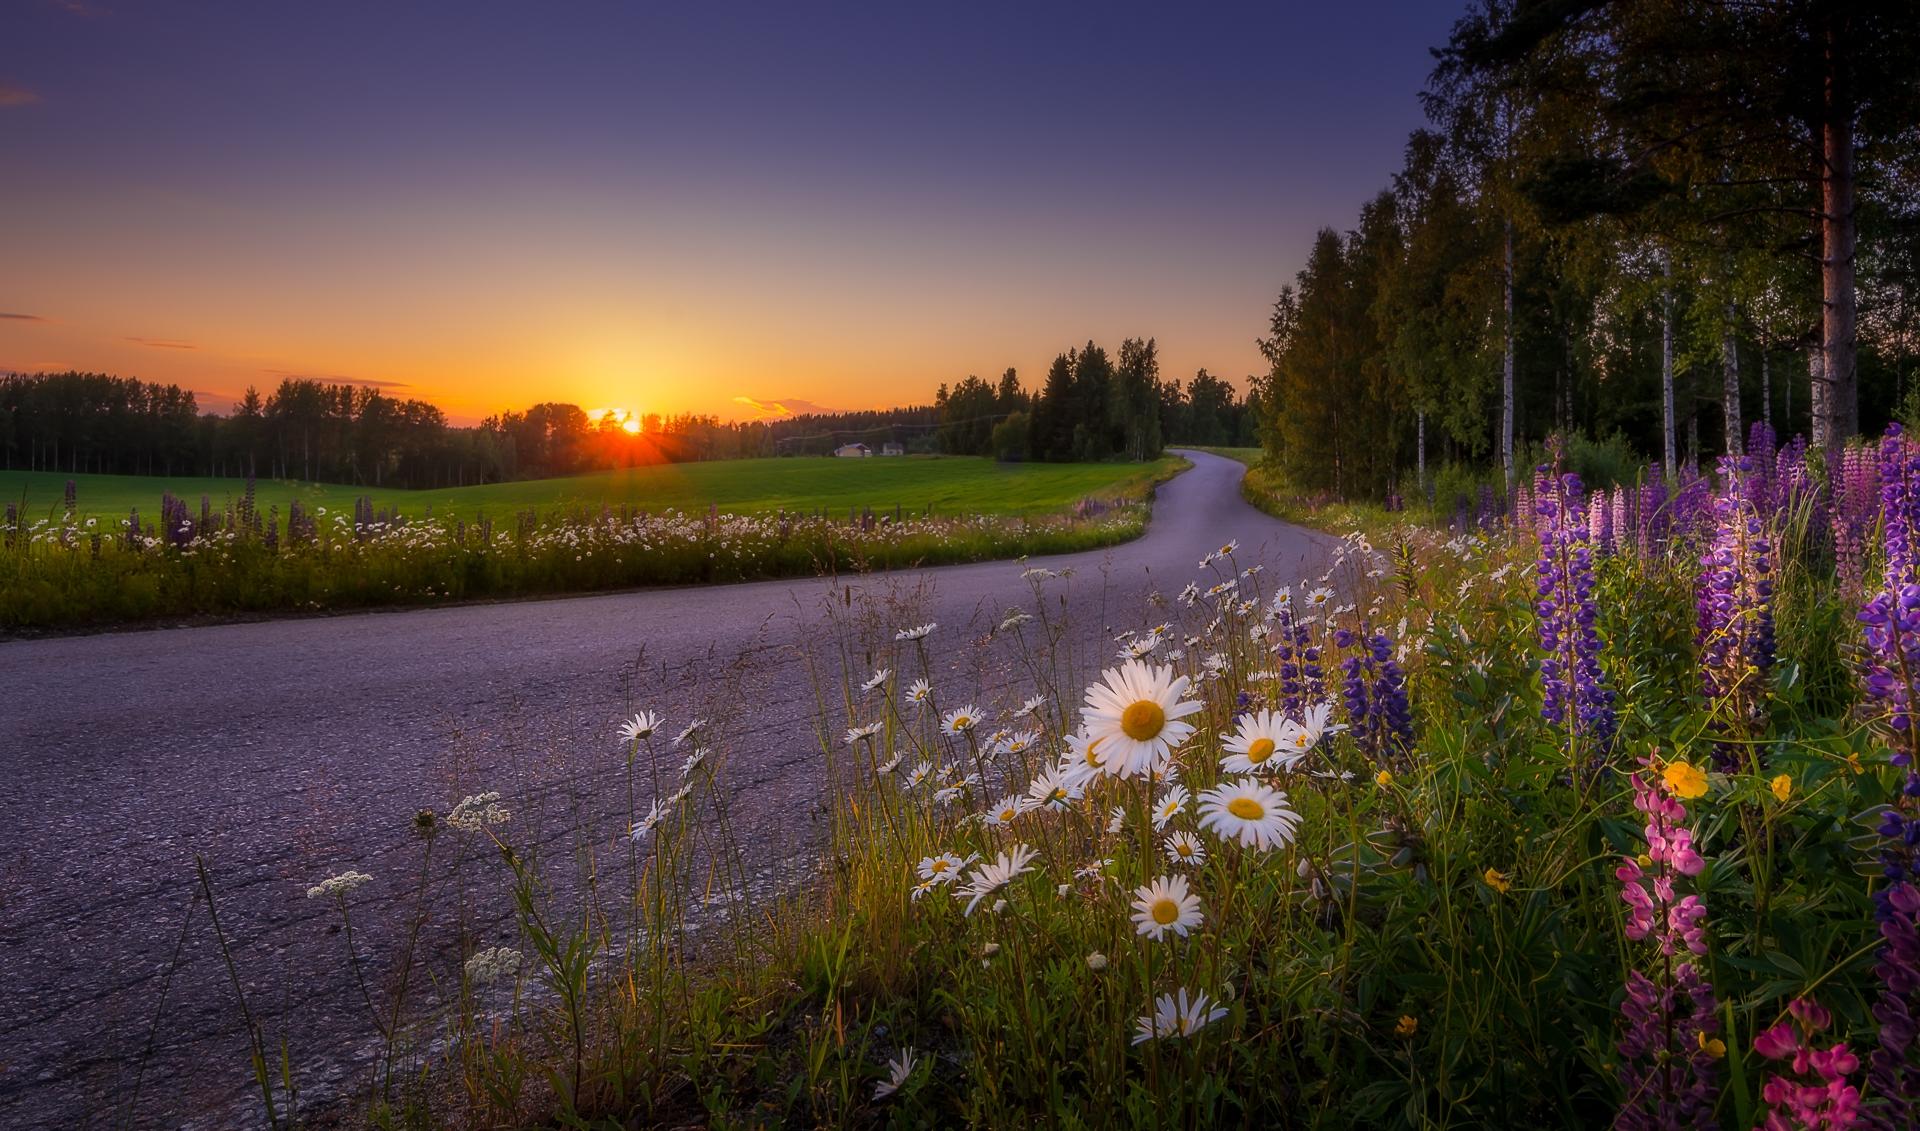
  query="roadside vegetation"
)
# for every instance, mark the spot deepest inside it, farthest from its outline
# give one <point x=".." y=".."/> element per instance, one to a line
<point x="1600" y="812"/>
<point x="672" y="525"/>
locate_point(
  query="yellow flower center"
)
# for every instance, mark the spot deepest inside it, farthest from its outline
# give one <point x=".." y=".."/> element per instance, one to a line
<point x="1165" y="911"/>
<point x="1006" y="814"/>
<point x="1091" y="752"/>
<point x="1246" y="808"/>
<point x="961" y="722"/>
<point x="1260" y="750"/>
<point x="1300" y="741"/>
<point x="939" y="865"/>
<point x="1143" y="720"/>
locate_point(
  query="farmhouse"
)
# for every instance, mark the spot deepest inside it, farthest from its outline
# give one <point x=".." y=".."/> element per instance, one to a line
<point x="852" y="451"/>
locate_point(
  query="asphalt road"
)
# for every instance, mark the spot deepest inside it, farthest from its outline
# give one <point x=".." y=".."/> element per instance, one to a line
<point x="283" y="752"/>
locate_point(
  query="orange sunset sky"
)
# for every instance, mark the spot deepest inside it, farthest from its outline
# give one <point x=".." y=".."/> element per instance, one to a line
<point x="670" y="211"/>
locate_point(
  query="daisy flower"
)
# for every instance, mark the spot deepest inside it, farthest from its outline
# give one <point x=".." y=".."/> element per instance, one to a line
<point x="944" y="868"/>
<point x="1020" y="743"/>
<point x="888" y="766"/>
<point x="693" y="761"/>
<point x="1314" y="725"/>
<point x="1033" y="705"/>
<point x="1050" y="789"/>
<point x="1318" y="599"/>
<point x="1136" y="712"/>
<point x="1189" y="595"/>
<point x="1171" y="804"/>
<point x="960" y="720"/>
<point x="922" y="888"/>
<point x="688" y="731"/>
<point x="1165" y="905"/>
<point x="898" y="1069"/>
<point x="1093" y="870"/>
<point x="1250" y="812"/>
<point x="919" y="773"/>
<point x="855" y="734"/>
<point x="919" y="633"/>
<point x="879" y="677"/>
<point x="1260" y="745"/>
<point x="1004" y="812"/>
<point x="990" y="878"/>
<point x="919" y="691"/>
<point x="1177" y="1015"/>
<point x="1228" y="549"/>
<point x="640" y="726"/>
<point x="656" y="814"/>
<point x="1085" y="759"/>
<point x="1117" y="821"/>
<point x="1186" y="848"/>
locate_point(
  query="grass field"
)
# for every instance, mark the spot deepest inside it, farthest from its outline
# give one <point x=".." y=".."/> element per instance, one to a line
<point x="948" y="485"/>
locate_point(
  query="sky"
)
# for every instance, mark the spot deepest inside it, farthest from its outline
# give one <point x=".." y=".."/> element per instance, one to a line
<point x="720" y="208"/>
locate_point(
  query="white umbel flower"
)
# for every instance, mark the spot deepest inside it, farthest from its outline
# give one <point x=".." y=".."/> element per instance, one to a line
<point x="1136" y="710"/>
<point x="1250" y="812"/>
<point x="1165" y="905"/>
<point x="492" y="964"/>
<point x="338" y="885"/>
<point x="1177" y="1015"/>
<point x="990" y="878"/>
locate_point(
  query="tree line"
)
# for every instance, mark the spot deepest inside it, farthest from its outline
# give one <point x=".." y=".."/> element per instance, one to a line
<point x="1654" y="221"/>
<point x="1093" y="406"/>
<point x="316" y="431"/>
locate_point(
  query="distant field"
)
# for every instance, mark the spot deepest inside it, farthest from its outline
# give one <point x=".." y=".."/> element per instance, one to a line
<point x="949" y="485"/>
<point x="1248" y="456"/>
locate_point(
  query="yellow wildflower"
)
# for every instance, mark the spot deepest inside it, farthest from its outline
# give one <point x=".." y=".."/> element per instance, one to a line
<point x="1782" y="787"/>
<point x="1853" y="763"/>
<point x="1496" y="880"/>
<point x="1408" y="1026"/>
<point x="1383" y="779"/>
<point x="1712" y="1046"/>
<point x="1684" y="780"/>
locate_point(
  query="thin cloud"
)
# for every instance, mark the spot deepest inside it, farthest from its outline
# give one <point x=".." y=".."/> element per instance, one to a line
<point x="4" y="316"/>
<point x="335" y="379"/>
<point x="13" y="94"/>
<point x="164" y="343"/>
<point x="775" y="408"/>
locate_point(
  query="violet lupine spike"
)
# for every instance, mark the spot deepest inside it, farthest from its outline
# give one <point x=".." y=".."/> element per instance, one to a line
<point x="1668" y="1062"/>
<point x="1734" y="605"/>
<point x="1900" y="508"/>
<point x="1814" y="1091"/>
<point x="1575" y="694"/>
<point x="1855" y="474"/>
<point x="1297" y="659"/>
<point x="1379" y="716"/>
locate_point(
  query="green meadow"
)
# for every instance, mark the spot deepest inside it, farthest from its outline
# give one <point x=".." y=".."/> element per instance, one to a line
<point x="946" y="485"/>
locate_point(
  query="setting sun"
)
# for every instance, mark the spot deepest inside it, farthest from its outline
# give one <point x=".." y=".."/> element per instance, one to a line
<point x="631" y="425"/>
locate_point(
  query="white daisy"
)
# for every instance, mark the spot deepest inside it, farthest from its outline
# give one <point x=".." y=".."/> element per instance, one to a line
<point x="1117" y="821"/>
<point x="1189" y="595"/>
<point x="1033" y="705"/>
<point x="1085" y="758"/>
<point x="1020" y="743"/>
<point x="890" y="765"/>
<point x="919" y="774"/>
<point x="1250" y="812"/>
<point x="1177" y="1015"/>
<point x="656" y="814"/>
<point x="919" y="691"/>
<point x="919" y="633"/>
<point x="1314" y="724"/>
<point x="960" y="720"/>
<point x="1165" y="905"/>
<point x="1136" y="711"/>
<point x="879" y="677"/>
<point x="1093" y="870"/>
<point x="1051" y="789"/>
<point x="1004" y="811"/>
<point x="855" y="734"/>
<point x="640" y="726"/>
<point x="693" y="761"/>
<point x="944" y="868"/>
<point x="922" y="888"/>
<point x="898" y="1069"/>
<point x="1318" y="599"/>
<point x="1186" y="848"/>
<point x="688" y="731"/>
<point x="1228" y="549"/>
<point x="1260" y="745"/>
<point x="1171" y="804"/>
<point x="990" y="878"/>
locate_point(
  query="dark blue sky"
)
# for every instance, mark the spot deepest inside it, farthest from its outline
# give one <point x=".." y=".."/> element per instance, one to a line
<point x="676" y="206"/>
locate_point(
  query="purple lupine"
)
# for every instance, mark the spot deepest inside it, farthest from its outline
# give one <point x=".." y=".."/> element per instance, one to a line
<point x="1650" y="513"/>
<point x="1891" y="1066"/>
<point x="1667" y="1053"/>
<point x="1576" y="697"/>
<point x="1814" y="1092"/>
<point x="1855" y="474"/>
<point x="1734" y="602"/>
<point x="1899" y="509"/>
<point x="1297" y="654"/>
<point x="1379" y="716"/>
<point x="1600" y="522"/>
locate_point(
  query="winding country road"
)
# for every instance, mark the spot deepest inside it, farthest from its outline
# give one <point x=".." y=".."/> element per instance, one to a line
<point x="286" y="751"/>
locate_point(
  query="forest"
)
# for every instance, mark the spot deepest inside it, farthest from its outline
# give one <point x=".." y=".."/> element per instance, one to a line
<point x="1647" y="225"/>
